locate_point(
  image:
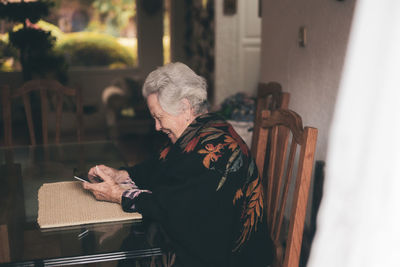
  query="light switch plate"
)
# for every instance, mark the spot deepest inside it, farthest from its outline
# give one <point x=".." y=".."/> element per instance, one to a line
<point x="302" y="36"/>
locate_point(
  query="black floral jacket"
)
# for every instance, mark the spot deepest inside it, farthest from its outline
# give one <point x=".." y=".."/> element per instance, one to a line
<point x="206" y="193"/>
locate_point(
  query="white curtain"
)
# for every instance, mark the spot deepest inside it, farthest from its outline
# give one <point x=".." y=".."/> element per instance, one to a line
<point x="359" y="219"/>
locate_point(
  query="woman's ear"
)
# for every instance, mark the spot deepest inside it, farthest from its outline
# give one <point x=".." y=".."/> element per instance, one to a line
<point x="186" y="105"/>
<point x="187" y="109"/>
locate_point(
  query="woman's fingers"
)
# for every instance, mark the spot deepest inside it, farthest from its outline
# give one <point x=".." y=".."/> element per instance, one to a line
<point x="105" y="171"/>
<point x="92" y="175"/>
<point x="108" y="189"/>
<point x="105" y="191"/>
<point x="89" y="186"/>
<point x="99" y="171"/>
<point x="99" y="195"/>
<point x="92" y="171"/>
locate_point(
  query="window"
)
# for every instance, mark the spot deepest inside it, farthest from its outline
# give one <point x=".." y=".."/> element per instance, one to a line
<point x="90" y="33"/>
<point x="166" y="35"/>
<point x="96" y="32"/>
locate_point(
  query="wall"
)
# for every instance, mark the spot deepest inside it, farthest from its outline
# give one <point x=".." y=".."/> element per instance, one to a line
<point x="310" y="74"/>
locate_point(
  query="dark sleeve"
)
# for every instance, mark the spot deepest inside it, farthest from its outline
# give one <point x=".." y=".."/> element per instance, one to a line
<point x="146" y="204"/>
<point x="187" y="193"/>
<point x="144" y="174"/>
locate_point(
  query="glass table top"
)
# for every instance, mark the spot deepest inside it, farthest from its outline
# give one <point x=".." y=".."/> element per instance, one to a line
<point x="22" y="171"/>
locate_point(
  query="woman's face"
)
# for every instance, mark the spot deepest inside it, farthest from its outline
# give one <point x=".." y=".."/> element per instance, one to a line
<point x="172" y="125"/>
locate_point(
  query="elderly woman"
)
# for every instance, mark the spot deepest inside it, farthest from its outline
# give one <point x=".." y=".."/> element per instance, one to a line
<point x="203" y="187"/>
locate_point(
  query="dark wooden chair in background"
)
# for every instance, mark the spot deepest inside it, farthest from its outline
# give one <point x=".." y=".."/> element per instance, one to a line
<point x="286" y="174"/>
<point x="42" y="86"/>
<point x="269" y="97"/>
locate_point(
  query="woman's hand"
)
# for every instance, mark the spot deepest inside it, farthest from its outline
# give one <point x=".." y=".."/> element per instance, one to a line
<point x="109" y="189"/>
<point x="119" y="176"/>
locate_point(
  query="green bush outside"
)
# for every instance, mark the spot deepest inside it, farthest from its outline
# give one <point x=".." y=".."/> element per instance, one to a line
<point x="7" y="54"/>
<point x="46" y="26"/>
<point x="91" y="48"/>
<point x="95" y="49"/>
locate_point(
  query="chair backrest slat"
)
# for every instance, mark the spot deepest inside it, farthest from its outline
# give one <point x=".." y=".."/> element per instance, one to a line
<point x="6" y="103"/>
<point x="271" y="172"/>
<point x="278" y="217"/>
<point x="79" y="113"/>
<point x="43" y="101"/>
<point x="281" y="153"/>
<point x="59" y="109"/>
<point x="28" y="112"/>
<point x="261" y="142"/>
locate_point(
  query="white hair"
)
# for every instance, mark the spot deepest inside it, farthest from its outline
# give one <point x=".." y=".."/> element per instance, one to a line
<point x="174" y="82"/>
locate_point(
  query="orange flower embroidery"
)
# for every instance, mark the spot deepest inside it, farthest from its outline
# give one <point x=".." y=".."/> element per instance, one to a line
<point x="252" y="212"/>
<point x="211" y="152"/>
<point x="232" y="143"/>
<point x="238" y="195"/>
<point x="239" y="140"/>
<point x="192" y="144"/>
<point x="164" y="152"/>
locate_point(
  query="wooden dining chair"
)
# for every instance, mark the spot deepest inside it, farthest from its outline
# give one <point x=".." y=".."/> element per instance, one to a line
<point x="285" y="160"/>
<point x="43" y="86"/>
<point x="269" y="97"/>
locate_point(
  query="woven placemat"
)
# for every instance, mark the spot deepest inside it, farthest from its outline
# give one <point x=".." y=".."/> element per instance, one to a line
<point x="67" y="204"/>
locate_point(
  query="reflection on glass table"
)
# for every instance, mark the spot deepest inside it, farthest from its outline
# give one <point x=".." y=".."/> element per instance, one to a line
<point x="22" y="171"/>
